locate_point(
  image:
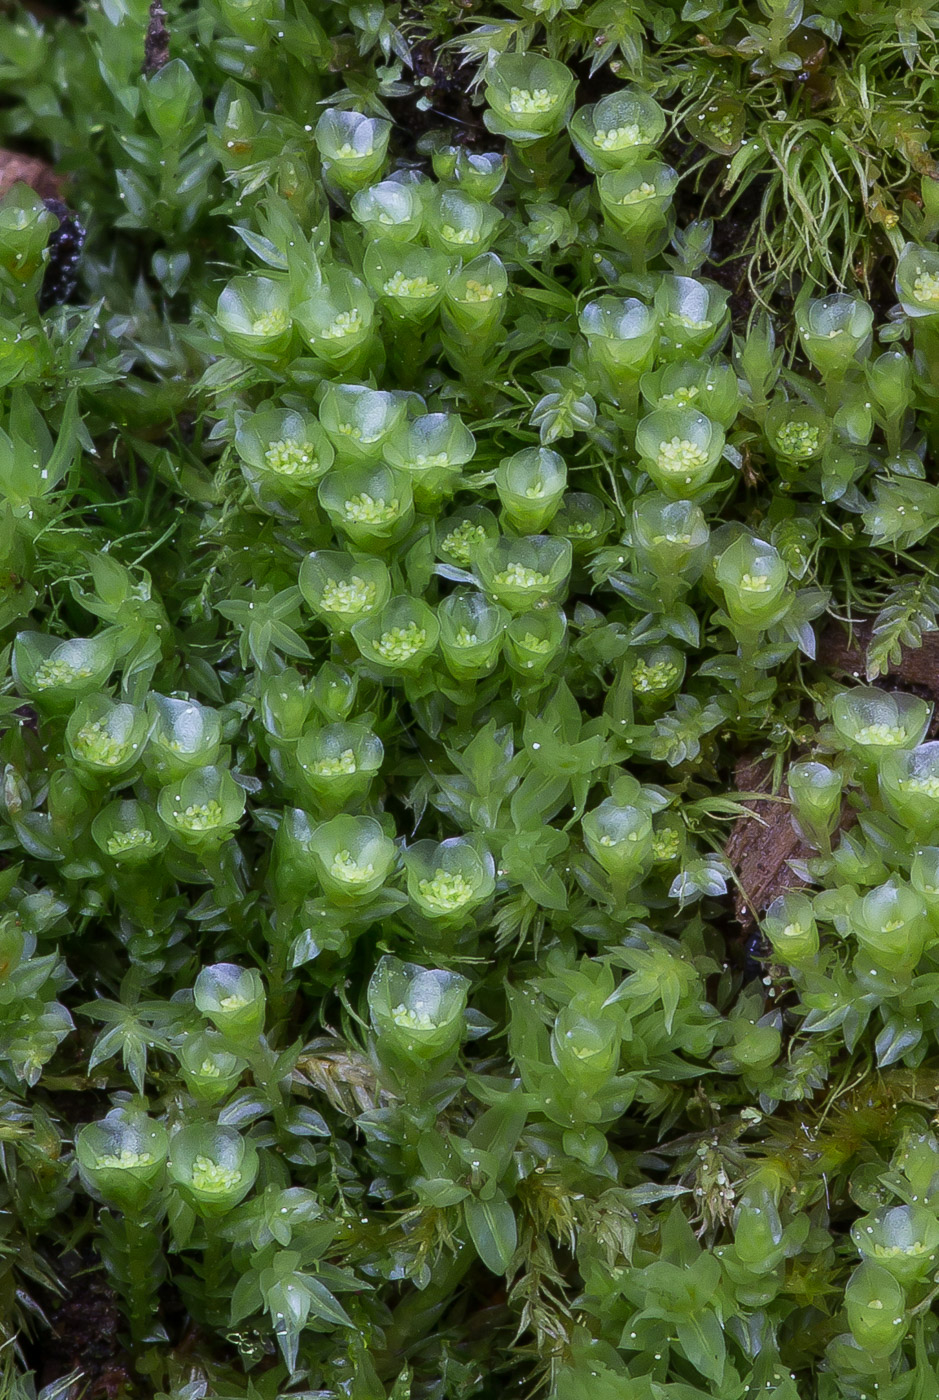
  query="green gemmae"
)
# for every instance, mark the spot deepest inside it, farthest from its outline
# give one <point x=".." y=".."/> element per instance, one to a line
<point x="540" y="645"/>
<point x="446" y="891"/>
<point x="618" y="137"/>
<point x="345" y="867"/>
<point x="401" y="643"/>
<point x="892" y="734"/>
<point x="412" y="1020"/>
<point x="367" y="510"/>
<point x="95" y="744"/>
<point x="125" y="1159"/>
<point x="335" y="767"/>
<point x="291" y="459"/>
<point x="666" y="844"/>
<point x="208" y="1175"/>
<point x="201" y="816"/>
<point x="528" y="101"/>
<point x="346" y="323"/>
<point x="518" y="576"/>
<point x="680" y="455"/>
<point x="52" y="673"/>
<point x="798" y="439"/>
<point x="928" y="786"/>
<point x="355" y="596"/>
<point x="638" y="194"/>
<point x="271" y="322"/>
<point x="649" y="679"/>
<point x="458" y="235"/>
<point x="128" y="840"/>
<point x="464" y="541"/>
<point x="474" y="291"/>
<point x="400" y="285"/>
<point x="926" y="288"/>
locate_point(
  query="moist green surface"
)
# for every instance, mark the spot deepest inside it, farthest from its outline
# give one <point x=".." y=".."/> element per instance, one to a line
<point x="441" y="452"/>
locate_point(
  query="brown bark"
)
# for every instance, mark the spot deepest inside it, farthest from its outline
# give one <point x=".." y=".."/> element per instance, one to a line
<point x="32" y="171"/>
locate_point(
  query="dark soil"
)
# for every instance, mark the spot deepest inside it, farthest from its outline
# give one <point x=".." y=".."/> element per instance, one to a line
<point x="729" y="263"/>
<point x="85" y="1333"/>
<point x="444" y="86"/>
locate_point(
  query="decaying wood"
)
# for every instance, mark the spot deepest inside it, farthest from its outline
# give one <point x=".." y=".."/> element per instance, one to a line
<point x="32" y="171"/>
<point x="760" y="847"/>
<point x="841" y="651"/>
<point x="156" y="47"/>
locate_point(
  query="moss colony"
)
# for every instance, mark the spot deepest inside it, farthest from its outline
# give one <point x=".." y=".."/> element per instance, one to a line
<point x="470" y="797"/>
